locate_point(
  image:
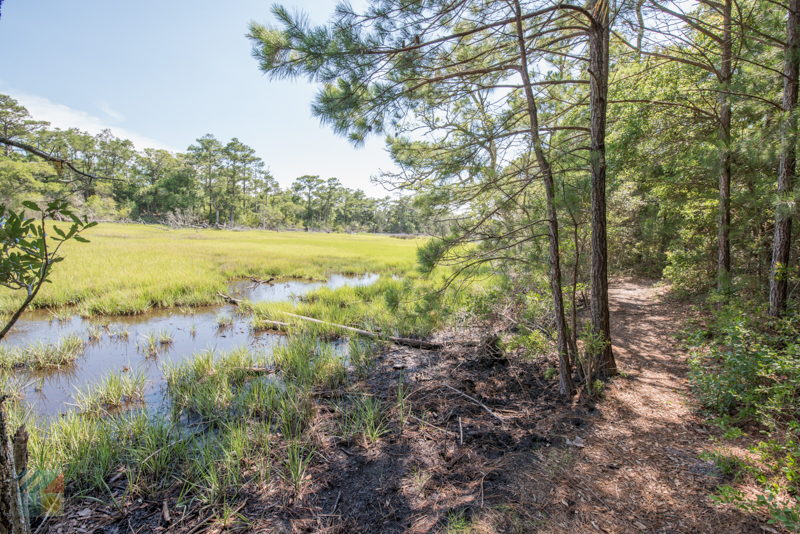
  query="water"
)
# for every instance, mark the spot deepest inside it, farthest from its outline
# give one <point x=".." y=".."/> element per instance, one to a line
<point x="51" y="393"/>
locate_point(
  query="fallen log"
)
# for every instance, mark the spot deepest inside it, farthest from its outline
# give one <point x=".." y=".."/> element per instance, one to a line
<point x="405" y="341"/>
<point x="229" y="299"/>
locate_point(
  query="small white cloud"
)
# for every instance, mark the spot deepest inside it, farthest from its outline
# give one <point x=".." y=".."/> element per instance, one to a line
<point x="65" y="117"/>
<point x="111" y="112"/>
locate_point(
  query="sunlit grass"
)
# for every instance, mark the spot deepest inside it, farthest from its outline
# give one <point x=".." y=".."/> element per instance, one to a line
<point x="127" y="269"/>
<point x="111" y="393"/>
<point x="41" y="356"/>
<point x="307" y="361"/>
<point x="411" y="307"/>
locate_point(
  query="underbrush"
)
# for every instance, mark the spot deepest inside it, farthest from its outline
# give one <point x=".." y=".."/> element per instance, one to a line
<point x="745" y="369"/>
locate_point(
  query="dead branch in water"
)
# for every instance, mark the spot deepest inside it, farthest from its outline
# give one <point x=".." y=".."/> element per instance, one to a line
<point x="229" y="299"/>
<point x="408" y="342"/>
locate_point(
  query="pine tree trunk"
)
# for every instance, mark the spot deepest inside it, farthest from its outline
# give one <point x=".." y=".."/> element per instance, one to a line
<point x="778" y="285"/>
<point x="724" y="215"/>
<point x="566" y="385"/>
<point x="598" y="88"/>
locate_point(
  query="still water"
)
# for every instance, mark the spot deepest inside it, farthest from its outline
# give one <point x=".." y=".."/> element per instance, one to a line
<point x="192" y="331"/>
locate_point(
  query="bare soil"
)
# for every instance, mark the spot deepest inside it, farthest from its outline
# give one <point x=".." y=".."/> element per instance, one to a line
<point x="489" y="442"/>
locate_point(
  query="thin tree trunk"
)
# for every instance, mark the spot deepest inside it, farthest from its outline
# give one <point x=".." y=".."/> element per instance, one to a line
<point x="724" y="215"/>
<point x="778" y="285"/>
<point x="566" y="385"/>
<point x="598" y="86"/>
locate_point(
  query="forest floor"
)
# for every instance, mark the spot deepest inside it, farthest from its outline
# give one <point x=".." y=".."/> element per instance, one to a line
<point x="477" y="444"/>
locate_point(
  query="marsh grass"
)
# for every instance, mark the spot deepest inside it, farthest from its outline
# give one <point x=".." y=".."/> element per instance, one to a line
<point x="411" y="307"/>
<point x="41" y="356"/>
<point x="307" y="361"/>
<point x="206" y="386"/>
<point x="152" y="343"/>
<point x="62" y="314"/>
<point x="362" y="415"/>
<point x="298" y="458"/>
<point x="259" y="399"/>
<point x="224" y="321"/>
<point x="94" y="333"/>
<point x="295" y="412"/>
<point x="361" y="354"/>
<point x="11" y="385"/>
<point x="113" y="392"/>
<point x="119" y="333"/>
<point x="155" y="453"/>
<point x="129" y="268"/>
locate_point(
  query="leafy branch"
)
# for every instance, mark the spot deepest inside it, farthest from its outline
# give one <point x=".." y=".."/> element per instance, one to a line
<point x="26" y="257"/>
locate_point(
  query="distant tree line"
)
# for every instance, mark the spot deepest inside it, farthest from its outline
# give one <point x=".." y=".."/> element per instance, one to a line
<point x="212" y="183"/>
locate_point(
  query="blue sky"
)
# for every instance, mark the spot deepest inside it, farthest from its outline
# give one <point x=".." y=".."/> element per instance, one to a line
<point x="163" y="73"/>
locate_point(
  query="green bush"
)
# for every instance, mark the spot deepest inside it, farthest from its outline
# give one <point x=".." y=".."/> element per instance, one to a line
<point x="745" y="369"/>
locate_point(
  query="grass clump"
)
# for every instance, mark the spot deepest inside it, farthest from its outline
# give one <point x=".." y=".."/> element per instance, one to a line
<point x="295" y="412"/>
<point x="206" y="386"/>
<point x="94" y="333"/>
<point x="42" y="356"/>
<point x="153" y="342"/>
<point x="361" y="354"/>
<point x="298" y="458"/>
<point x="155" y="451"/>
<point x="112" y="393"/>
<point x="224" y="321"/>
<point x="364" y="416"/>
<point x="307" y="361"/>
<point x="119" y="334"/>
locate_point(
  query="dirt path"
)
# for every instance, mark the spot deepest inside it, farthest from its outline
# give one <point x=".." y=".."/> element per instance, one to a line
<point x="641" y="467"/>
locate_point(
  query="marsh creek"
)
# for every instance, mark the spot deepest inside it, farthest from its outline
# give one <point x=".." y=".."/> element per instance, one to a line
<point x="49" y="393"/>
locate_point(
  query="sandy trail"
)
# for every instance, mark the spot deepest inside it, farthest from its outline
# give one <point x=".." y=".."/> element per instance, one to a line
<point x="641" y="468"/>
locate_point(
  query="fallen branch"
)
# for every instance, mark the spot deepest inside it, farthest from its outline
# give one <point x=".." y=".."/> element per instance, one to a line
<point x="229" y="299"/>
<point x="476" y="401"/>
<point x="408" y="342"/>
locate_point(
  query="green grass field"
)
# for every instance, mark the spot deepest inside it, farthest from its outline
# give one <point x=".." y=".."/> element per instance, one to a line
<point x="128" y="268"/>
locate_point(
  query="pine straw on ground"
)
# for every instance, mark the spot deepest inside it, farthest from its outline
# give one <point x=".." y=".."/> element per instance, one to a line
<point x="489" y="442"/>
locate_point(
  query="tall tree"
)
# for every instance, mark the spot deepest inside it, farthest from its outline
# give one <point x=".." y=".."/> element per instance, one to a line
<point x="598" y="83"/>
<point x="206" y="156"/>
<point x="394" y="61"/>
<point x="781" y="247"/>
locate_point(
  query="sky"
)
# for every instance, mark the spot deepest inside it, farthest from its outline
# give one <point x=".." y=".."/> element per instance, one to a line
<point x="164" y="72"/>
